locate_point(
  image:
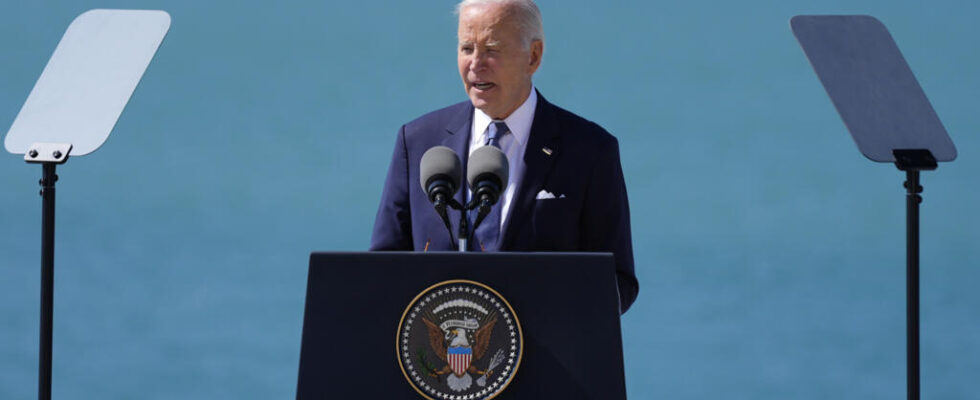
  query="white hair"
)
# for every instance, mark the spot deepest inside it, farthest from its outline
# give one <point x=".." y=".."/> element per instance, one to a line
<point x="526" y="12"/>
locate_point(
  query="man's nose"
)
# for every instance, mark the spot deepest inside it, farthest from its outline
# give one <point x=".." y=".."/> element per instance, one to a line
<point x="479" y="60"/>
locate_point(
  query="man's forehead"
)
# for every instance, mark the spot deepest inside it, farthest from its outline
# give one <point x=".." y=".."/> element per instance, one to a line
<point x="482" y="23"/>
<point x="495" y="10"/>
<point x="487" y="15"/>
<point x="487" y="38"/>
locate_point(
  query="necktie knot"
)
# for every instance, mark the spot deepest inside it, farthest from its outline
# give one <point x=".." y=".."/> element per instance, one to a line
<point x="494" y="135"/>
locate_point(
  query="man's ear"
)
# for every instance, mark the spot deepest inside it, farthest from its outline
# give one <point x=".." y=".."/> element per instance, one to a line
<point x="537" y="49"/>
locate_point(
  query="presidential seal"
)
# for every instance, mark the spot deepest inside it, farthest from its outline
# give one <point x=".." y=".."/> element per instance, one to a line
<point x="459" y="340"/>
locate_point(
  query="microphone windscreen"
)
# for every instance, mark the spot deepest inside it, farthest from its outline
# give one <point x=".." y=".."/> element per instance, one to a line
<point x="440" y="162"/>
<point x="488" y="160"/>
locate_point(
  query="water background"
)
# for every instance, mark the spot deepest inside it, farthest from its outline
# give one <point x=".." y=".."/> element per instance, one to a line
<point x="770" y="253"/>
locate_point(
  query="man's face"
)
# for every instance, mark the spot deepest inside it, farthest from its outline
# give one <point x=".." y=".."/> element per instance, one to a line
<point x="494" y="63"/>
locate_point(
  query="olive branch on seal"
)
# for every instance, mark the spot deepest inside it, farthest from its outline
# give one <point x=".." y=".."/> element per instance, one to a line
<point x="424" y="364"/>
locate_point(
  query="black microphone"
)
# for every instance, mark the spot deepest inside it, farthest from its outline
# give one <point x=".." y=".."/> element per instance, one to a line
<point x="439" y="174"/>
<point x="487" y="174"/>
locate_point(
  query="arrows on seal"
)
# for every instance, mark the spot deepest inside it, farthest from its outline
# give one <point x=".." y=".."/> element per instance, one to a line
<point x="498" y="358"/>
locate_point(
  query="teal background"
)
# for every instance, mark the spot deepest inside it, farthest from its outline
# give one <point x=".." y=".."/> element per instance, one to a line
<point x="770" y="253"/>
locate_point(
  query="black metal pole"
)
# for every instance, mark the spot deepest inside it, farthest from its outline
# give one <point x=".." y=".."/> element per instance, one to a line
<point x="912" y="281"/>
<point x="464" y="233"/>
<point x="47" y="280"/>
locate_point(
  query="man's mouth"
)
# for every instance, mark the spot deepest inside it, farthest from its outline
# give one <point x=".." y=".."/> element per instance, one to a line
<point x="483" y="85"/>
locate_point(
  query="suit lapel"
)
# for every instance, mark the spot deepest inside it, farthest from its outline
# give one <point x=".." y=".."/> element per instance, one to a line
<point x="458" y="138"/>
<point x="537" y="166"/>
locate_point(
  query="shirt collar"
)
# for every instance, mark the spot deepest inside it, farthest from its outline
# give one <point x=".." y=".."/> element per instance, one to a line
<point x="519" y="122"/>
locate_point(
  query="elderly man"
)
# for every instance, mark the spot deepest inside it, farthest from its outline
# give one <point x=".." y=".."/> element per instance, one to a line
<point x="565" y="190"/>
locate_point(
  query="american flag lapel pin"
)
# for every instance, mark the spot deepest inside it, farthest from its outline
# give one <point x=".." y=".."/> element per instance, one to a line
<point x="546" y="150"/>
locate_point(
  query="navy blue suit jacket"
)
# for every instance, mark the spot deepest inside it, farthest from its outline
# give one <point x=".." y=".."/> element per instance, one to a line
<point x="584" y="166"/>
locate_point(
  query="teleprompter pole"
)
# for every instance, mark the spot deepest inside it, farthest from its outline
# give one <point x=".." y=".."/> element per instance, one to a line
<point x="912" y="200"/>
<point x="49" y="155"/>
<point x="912" y="162"/>
<point x="47" y="279"/>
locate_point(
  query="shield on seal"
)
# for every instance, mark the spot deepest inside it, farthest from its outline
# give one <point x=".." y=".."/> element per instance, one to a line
<point x="459" y="359"/>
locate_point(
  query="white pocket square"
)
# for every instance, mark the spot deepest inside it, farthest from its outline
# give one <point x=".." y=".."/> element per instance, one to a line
<point x="544" y="194"/>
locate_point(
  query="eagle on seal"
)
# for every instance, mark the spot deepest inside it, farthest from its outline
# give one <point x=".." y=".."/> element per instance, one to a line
<point x="453" y="347"/>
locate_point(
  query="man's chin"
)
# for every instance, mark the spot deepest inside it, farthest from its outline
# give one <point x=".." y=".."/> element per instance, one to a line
<point x="481" y="103"/>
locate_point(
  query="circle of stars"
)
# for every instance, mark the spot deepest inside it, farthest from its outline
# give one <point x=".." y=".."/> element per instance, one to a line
<point x="460" y="291"/>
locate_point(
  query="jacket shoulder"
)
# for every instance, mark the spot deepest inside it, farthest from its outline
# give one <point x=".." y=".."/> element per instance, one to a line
<point x="438" y="118"/>
<point x="583" y="129"/>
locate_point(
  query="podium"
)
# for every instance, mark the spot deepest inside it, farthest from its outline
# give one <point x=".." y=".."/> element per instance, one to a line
<point x="562" y="310"/>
